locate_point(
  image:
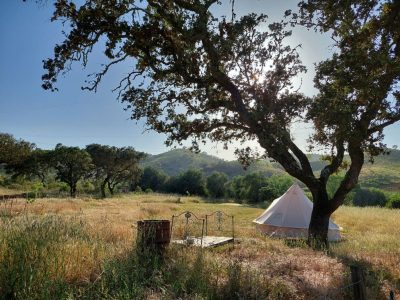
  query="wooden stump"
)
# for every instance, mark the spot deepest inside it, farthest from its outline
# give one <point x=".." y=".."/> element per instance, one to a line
<point x="153" y="235"/>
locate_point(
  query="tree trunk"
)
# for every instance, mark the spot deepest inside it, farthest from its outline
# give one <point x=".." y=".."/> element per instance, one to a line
<point x="111" y="188"/>
<point x="319" y="223"/>
<point x="103" y="188"/>
<point x="73" y="190"/>
<point x="318" y="229"/>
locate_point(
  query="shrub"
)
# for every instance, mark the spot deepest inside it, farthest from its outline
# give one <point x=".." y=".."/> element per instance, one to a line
<point x="394" y="200"/>
<point x="369" y="197"/>
<point x="395" y="203"/>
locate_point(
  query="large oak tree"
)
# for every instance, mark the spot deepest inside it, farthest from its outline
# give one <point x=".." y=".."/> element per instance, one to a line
<point x="114" y="165"/>
<point x="71" y="165"/>
<point x="198" y="77"/>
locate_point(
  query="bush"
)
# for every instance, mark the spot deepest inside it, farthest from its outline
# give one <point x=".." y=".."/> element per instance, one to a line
<point x="393" y="200"/>
<point x="369" y="197"/>
<point x="2" y="180"/>
<point x="395" y="203"/>
<point x="148" y="191"/>
<point x="86" y="187"/>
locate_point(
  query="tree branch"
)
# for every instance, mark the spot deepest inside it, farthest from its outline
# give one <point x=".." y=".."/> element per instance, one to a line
<point x="381" y="126"/>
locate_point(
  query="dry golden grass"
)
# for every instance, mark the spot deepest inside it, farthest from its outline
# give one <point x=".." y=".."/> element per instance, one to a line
<point x="5" y="191"/>
<point x="372" y="236"/>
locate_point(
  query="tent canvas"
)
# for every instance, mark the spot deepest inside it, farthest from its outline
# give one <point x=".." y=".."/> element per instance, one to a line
<point x="289" y="216"/>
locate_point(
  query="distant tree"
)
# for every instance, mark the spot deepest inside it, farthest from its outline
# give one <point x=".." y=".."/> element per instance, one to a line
<point x="198" y="76"/>
<point x="235" y="188"/>
<point x="216" y="184"/>
<point x="253" y="182"/>
<point x="267" y="194"/>
<point x="171" y="185"/>
<point x="71" y="164"/>
<point x="152" y="179"/>
<point x="190" y="182"/>
<point x="13" y="151"/>
<point x="255" y="187"/>
<point x="279" y="184"/>
<point x="114" y="165"/>
<point x="36" y="165"/>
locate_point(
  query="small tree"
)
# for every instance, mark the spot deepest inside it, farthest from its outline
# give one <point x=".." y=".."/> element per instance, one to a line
<point x="114" y="165"/>
<point x="216" y="184"/>
<point x="71" y="164"/>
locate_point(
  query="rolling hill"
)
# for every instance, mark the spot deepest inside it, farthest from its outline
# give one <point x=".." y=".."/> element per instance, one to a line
<point x="179" y="160"/>
<point x="384" y="173"/>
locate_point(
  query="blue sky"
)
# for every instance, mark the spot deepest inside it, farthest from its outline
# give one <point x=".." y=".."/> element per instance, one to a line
<point x="75" y="117"/>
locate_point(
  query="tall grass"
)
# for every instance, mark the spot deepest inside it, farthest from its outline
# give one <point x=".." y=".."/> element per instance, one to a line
<point x="86" y="249"/>
<point x="34" y="263"/>
<point x="54" y="257"/>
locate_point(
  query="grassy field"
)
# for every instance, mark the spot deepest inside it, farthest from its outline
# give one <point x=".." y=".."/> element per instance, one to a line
<point x="85" y="248"/>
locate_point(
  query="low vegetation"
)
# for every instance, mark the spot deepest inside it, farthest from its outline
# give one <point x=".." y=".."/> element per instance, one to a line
<point x="85" y="249"/>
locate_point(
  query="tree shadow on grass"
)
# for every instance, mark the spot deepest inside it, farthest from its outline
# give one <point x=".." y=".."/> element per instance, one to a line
<point x="374" y="278"/>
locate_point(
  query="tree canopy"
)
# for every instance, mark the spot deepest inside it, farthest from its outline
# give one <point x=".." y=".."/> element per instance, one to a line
<point x="114" y="165"/>
<point x="152" y="179"/>
<point x="71" y="164"/>
<point x="216" y="184"/>
<point x="13" y="151"/>
<point x="199" y="76"/>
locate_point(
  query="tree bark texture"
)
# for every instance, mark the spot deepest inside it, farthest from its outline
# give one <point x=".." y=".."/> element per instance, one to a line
<point x="319" y="222"/>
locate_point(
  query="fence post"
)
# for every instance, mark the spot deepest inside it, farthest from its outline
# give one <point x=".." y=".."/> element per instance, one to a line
<point x="357" y="279"/>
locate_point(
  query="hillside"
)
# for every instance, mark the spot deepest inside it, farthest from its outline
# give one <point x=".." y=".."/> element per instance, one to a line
<point x="384" y="173"/>
<point x="179" y="160"/>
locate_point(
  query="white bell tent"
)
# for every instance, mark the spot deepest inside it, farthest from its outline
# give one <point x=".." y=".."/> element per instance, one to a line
<point x="289" y="216"/>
